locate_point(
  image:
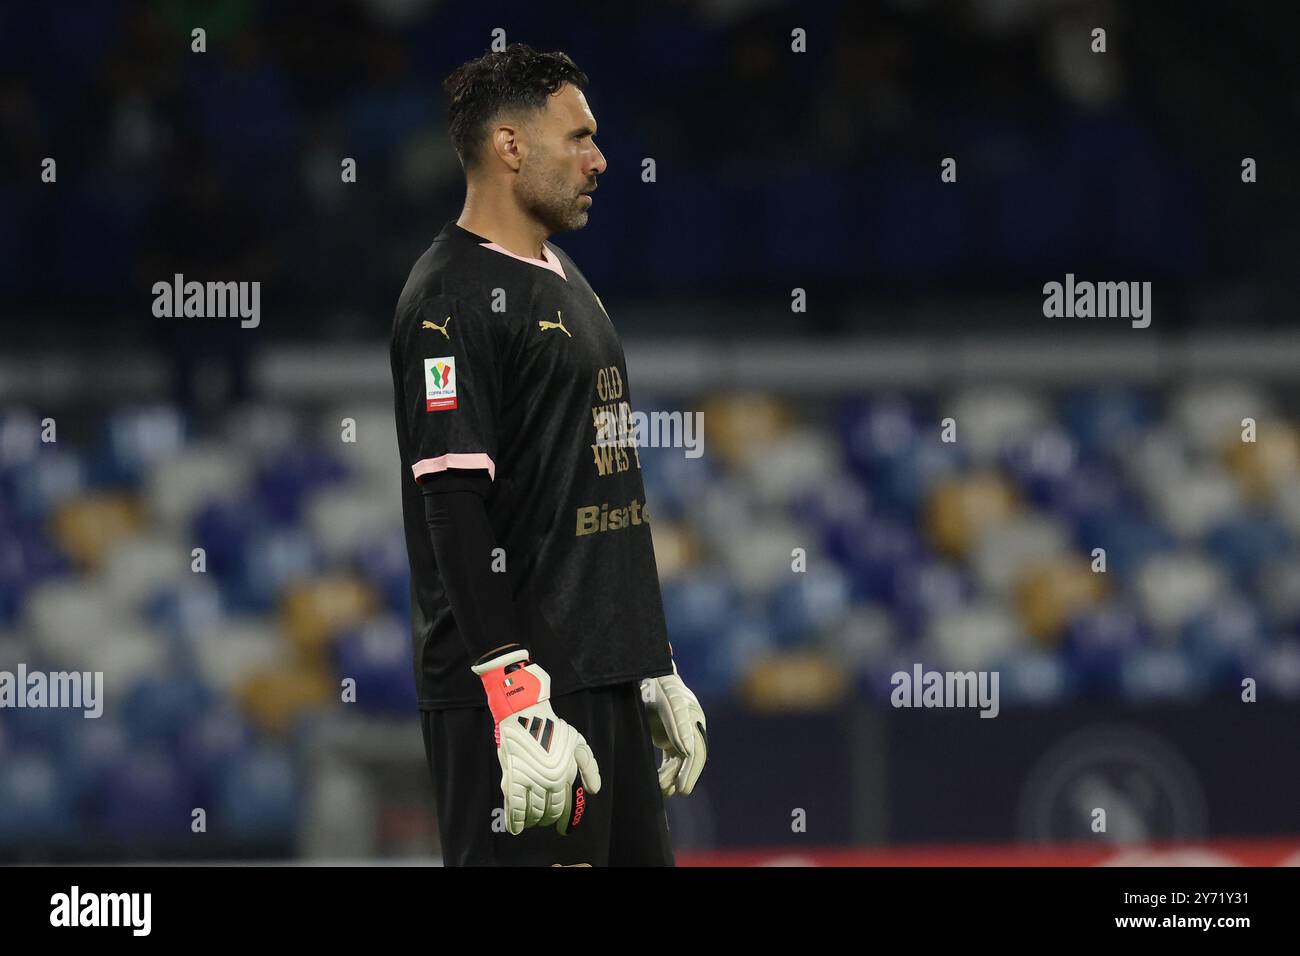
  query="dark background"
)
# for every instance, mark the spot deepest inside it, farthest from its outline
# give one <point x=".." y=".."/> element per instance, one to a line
<point x="774" y="169"/>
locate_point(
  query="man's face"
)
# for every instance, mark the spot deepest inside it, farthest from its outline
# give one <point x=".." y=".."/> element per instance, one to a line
<point x="561" y="163"/>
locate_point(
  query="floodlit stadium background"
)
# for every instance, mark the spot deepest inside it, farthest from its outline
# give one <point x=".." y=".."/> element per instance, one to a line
<point x="775" y="171"/>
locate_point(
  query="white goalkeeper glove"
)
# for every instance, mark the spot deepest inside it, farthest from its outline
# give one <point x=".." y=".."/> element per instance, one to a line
<point x="677" y="727"/>
<point x="547" y="769"/>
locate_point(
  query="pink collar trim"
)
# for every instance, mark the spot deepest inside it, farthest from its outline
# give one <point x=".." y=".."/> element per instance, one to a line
<point x="552" y="261"/>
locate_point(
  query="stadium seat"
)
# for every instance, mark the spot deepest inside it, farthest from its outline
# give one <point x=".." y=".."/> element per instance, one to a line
<point x="316" y="611"/>
<point x="228" y="653"/>
<point x="1174" y="588"/>
<point x="35" y="805"/>
<point x="808" y="604"/>
<point x="344" y="517"/>
<point x="959" y="512"/>
<point x="179" y="487"/>
<point x="136" y="439"/>
<point x="377" y="657"/>
<point x="1052" y="591"/>
<point x="974" y="637"/>
<point x="989" y="419"/>
<point x="698" y="607"/>
<point x="274" y="700"/>
<point x="1097" y="640"/>
<point x="145" y="799"/>
<point x="258" y="799"/>
<point x="795" y="681"/>
<point x="1006" y="552"/>
<point x="137" y="565"/>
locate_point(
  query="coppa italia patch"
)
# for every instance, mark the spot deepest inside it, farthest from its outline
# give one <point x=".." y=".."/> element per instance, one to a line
<point x="440" y="384"/>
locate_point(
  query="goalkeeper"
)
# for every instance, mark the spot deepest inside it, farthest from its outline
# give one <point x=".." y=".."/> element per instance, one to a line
<point x="542" y="663"/>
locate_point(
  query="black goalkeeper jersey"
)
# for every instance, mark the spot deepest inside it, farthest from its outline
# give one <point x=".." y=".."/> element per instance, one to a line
<point x="511" y="365"/>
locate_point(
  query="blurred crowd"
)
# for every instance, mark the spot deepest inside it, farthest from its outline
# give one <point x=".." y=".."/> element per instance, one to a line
<point x="226" y="164"/>
<point x="1118" y="546"/>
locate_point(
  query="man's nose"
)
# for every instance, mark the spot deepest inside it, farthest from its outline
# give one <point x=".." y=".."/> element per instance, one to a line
<point x="599" y="165"/>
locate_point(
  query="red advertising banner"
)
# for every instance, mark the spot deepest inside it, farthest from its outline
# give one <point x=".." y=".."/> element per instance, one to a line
<point x="1274" y="852"/>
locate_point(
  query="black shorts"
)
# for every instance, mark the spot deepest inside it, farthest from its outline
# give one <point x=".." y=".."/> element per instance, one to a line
<point x="624" y="824"/>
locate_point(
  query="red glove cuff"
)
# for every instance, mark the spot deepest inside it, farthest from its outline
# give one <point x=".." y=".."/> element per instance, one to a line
<point x="511" y="683"/>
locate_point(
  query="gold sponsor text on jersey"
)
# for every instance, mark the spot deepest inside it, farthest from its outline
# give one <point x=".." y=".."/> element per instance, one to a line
<point x="593" y="519"/>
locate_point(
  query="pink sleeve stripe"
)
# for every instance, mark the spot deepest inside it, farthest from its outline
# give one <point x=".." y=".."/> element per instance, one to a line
<point x="429" y="466"/>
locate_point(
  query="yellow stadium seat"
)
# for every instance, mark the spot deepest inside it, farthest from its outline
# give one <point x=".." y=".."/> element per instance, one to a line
<point x="1272" y="458"/>
<point x="314" y="612"/>
<point x="85" y="529"/>
<point x="675" y="549"/>
<point x="275" y="699"/>
<point x="959" y="510"/>
<point x="741" y="425"/>
<point x="794" y="681"/>
<point x="1049" y="594"/>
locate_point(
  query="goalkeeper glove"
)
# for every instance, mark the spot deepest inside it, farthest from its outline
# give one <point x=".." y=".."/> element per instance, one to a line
<point x="677" y="727"/>
<point x="540" y="754"/>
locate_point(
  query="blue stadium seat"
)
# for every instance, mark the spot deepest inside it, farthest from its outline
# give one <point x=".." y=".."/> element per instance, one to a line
<point x="1041" y="461"/>
<point x="271" y="561"/>
<point x="809" y="604"/>
<point x="1165" y="673"/>
<point x="1038" y="678"/>
<point x="1091" y="491"/>
<point x="877" y="430"/>
<point x="902" y="483"/>
<point x="923" y="587"/>
<point x="146" y="796"/>
<point x="698" y="607"/>
<point x="53" y="476"/>
<point x="284" y="482"/>
<point x="1247" y="544"/>
<point x="257" y="800"/>
<point x="830" y="503"/>
<point x="745" y="640"/>
<point x="378" y="657"/>
<point x="223" y="528"/>
<point x="1096" y="643"/>
<point x="182" y="611"/>
<point x="672" y="480"/>
<point x="1107" y="421"/>
<point x="36" y="806"/>
<point x="870" y="551"/>
<point x="42" y="729"/>
<point x="26" y="558"/>
<point x="133" y="440"/>
<point x="207" y="747"/>
<point x="385" y="564"/>
<point x="1129" y="539"/>
<point x="1223" y="638"/>
<point x="157" y="710"/>
<point x="86" y="760"/>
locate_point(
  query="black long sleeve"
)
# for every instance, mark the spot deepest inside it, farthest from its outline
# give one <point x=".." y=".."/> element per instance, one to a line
<point x="463" y="543"/>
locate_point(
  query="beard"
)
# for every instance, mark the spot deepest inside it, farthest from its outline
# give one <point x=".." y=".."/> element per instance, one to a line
<point x="551" y="199"/>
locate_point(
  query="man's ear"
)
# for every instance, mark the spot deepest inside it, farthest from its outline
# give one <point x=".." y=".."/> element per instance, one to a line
<point x="507" y="143"/>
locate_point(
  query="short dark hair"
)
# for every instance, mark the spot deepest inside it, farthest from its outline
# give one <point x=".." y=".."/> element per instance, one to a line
<point x="517" y="76"/>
